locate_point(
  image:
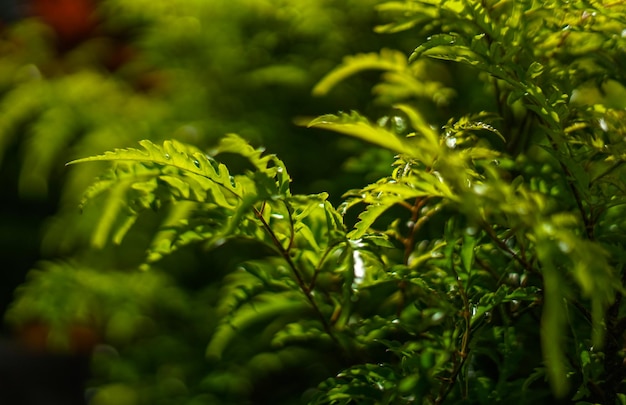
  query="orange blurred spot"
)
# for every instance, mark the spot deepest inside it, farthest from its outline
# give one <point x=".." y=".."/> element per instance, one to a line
<point x="72" y="20"/>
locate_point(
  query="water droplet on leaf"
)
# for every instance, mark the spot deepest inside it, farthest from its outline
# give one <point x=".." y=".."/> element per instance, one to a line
<point x="564" y="246"/>
<point x="603" y="124"/>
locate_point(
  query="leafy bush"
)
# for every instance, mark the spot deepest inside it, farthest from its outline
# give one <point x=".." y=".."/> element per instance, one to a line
<point x="486" y="267"/>
<point x="186" y="70"/>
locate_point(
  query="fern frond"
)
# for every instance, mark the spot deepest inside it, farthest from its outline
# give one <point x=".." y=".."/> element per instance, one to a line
<point x="150" y="177"/>
<point x="400" y="86"/>
<point x="387" y="60"/>
<point x="255" y="293"/>
<point x="267" y="164"/>
<point x="367" y="219"/>
<point x="174" y="154"/>
<point x="407" y="15"/>
<point x="184" y="225"/>
<point x="266" y="308"/>
<point x="210" y="203"/>
<point x="356" y="125"/>
<point x="18" y="106"/>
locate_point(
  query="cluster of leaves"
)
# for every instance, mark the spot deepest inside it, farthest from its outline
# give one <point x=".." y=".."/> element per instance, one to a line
<point x="182" y="70"/>
<point x="488" y="266"/>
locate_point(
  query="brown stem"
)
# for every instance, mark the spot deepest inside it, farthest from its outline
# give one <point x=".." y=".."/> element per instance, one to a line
<point x="465" y="340"/>
<point x="525" y="264"/>
<point x="297" y="274"/>
<point x="416" y="225"/>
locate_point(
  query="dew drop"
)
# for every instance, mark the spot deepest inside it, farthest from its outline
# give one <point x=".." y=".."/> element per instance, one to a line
<point x="437" y="316"/>
<point x="167" y="156"/>
<point x="564" y="246"/>
<point x="359" y="267"/>
<point x="480" y="189"/>
<point x="587" y="14"/>
<point x="513" y="279"/>
<point x="196" y="163"/>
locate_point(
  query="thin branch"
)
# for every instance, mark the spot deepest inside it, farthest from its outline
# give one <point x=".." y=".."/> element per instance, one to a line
<point x="409" y="242"/>
<point x="525" y="264"/>
<point x="577" y="197"/>
<point x="465" y="340"/>
<point x="318" y="268"/>
<point x="292" y="231"/>
<point x="297" y="274"/>
<point x="579" y="202"/>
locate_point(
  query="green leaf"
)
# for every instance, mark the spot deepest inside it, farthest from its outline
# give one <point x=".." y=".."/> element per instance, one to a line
<point x="359" y="127"/>
<point x="366" y="220"/>
<point x="174" y="154"/>
<point x="267" y="164"/>
<point x="553" y="322"/>
<point x="467" y="252"/>
<point x="420" y="125"/>
<point x="263" y="309"/>
<point x="388" y="60"/>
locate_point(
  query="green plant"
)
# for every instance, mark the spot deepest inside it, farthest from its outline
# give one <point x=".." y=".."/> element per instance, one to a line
<point x="488" y="266"/>
<point x="182" y="70"/>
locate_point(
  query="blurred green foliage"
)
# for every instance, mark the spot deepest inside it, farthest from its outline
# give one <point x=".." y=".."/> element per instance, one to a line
<point x="486" y="265"/>
<point x="191" y="71"/>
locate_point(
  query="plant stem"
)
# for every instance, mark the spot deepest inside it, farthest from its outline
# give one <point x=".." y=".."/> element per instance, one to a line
<point x="490" y="231"/>
<point x="465" y="340"/>
<point x="409" y="242"/>
<point x="297" y="274"/>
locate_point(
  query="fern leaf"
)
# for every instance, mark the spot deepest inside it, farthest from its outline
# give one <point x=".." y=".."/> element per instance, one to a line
<point x="388" y="60"/>
<point x="110" y="213"/>
<point x="367" y="219"/>
<point x="169" y="232"/>
<point x="18" y="107"/>
<point x="407" y="15"/>
<point x="456" y="49"/>
<point x="176" y="172"/>
<point x="358" y="126"/>
<point x="420" y="125"/>
<point x="263" y="309"/>
<point x="173" y="154"/>
<point x="145" y="178"/>
<point x="269" y="165"/>
<point x="398" y="86"/>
